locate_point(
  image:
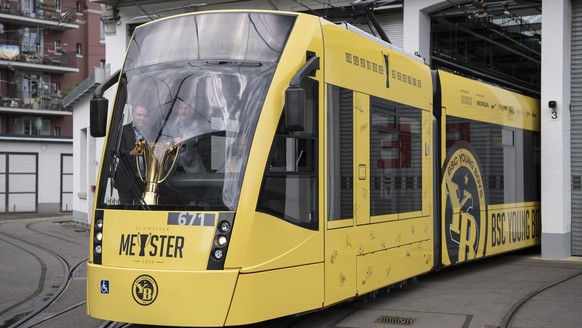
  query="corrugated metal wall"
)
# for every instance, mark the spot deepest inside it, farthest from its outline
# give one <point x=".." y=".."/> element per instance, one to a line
<point x="392" y="21"/>
<point x="576" y="128"/>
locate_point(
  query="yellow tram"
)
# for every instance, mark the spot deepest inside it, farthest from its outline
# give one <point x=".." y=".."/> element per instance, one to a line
<point x="284" y="164"/>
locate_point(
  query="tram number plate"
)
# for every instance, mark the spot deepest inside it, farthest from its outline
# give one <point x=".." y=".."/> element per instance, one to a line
<point x="192" y="219"/>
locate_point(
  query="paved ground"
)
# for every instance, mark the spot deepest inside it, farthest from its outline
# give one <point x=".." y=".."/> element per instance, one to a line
<point x="480" y="294"/>
<point x="546" y="293"/>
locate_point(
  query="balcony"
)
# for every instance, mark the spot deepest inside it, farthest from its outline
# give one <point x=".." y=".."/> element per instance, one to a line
<point x="44" y="15"/>
<point x="53" y="61"/>
<point x="40" y="105"/>
<point x="41" y="112"/>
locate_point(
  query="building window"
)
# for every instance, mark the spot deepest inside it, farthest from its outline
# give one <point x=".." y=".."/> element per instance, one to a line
<point x="79" y="6"/>
<point x="58" y="48"/>
<point x="57" y="131"/>
<point x="30" y="40"/>
<point x="101" y="32"/>
<point x="32" y="126"/>
<point x="34" y="90"/>
<point x="79" y="49"/>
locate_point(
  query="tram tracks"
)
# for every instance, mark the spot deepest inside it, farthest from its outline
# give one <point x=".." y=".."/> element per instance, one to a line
<point x="114" y="324"/>
<point x="27" y="311"/>
<point x="509" y="317"/>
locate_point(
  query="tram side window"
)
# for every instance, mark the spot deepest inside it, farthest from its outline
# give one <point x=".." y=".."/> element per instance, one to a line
<point x="395" y="158"/>
<point x="340" y="153"/>
<point x="289" y="188"/>
<point x="508" y="157"/>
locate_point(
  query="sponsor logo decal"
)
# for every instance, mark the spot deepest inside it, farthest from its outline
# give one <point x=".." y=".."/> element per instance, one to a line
<point x="144" y="290"/>
<point x="514" y="226"/>
<point x="152" y="245"/>
<point x="465" y="210"/>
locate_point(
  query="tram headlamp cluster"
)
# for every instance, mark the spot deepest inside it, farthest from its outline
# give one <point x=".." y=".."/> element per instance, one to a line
<point x="224" y="226"/>
<point x="220" y="240"/>
<point x="98" y="237"/>
<point x="218" y="254"/>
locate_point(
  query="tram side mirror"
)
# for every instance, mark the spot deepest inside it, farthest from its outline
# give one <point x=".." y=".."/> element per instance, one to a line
<point x="294" y="108"/>
<point x="98" y="116"/>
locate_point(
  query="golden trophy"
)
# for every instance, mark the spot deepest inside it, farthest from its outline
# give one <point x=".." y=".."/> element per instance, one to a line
<point x="156" y="157"/>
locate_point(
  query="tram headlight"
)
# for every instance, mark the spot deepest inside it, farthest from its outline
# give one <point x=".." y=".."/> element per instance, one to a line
<point x="224" y="226"/>
<point x="218" y="254"/>
<point x="220" y="240"/>
<point x="98" y="236"/>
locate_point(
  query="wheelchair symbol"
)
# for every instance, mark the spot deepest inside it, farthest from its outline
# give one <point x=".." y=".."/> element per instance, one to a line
<point x="104" y="286"/>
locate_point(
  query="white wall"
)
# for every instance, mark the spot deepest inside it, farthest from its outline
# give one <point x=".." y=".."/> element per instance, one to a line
<point x="49" y="168"/>
<point x="417" y="25"/>
<point x="556" y="193"/>
<point x="85" y="162"/>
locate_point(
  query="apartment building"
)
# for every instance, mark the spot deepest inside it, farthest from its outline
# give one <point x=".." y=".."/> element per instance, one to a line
<point x="47" y="48"/>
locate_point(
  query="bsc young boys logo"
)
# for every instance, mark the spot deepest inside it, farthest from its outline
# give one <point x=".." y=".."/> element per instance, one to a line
<point x="144" y="290"/>
<point x="465" y="210"/>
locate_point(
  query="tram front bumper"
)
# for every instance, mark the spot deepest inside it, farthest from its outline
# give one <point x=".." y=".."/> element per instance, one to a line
<point x="160" y="297"/>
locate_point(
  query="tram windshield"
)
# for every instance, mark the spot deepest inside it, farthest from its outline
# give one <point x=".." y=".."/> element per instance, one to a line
<point x="186" y="110"/>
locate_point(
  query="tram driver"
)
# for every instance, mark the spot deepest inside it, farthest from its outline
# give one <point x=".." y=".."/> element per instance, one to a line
<point x="186" y="128"/>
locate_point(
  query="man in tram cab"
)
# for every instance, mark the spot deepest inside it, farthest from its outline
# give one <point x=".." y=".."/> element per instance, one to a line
<point x="186" y="126"/>
<point x="234" y="161"/>
<point x="127" y="181"/>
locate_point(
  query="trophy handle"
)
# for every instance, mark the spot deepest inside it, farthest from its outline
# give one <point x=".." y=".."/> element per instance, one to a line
<point x="139" y="147"/>
<point x="172" y="149"/>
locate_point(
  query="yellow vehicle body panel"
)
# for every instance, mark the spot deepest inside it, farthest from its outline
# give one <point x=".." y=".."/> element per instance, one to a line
<point x="146" y="240"/>
<point x="463" y="97"/>
<point x="428" y="163"/>
<point x="359" y="64"/>
<point x="509" y="227"/>
<point x="368" y="252"/>
<point x="276" y="244"/>
<point x="340" y="264"/>
<point x="270" y="294"/>
<point x="362" y="158"/>
<point x="360" y="259"/>
<point x="496" y="228"/>
<point x="386" y="267"/>
<point x="513" y="226"/>
<point x="306" y="35"/>
<point x="195" y="298"/>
